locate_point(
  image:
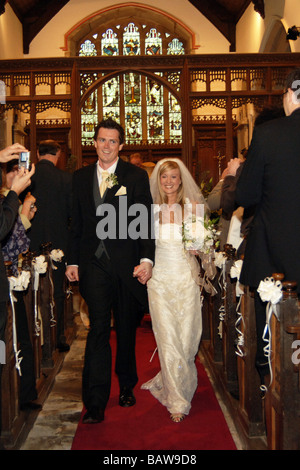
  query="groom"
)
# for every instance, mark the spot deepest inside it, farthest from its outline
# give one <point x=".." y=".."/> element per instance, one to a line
<point x="112" y="269"/>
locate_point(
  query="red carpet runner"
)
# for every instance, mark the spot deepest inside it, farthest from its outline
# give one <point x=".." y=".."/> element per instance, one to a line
<point x="147" y="426"/>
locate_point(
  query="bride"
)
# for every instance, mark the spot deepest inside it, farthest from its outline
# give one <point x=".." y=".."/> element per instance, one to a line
<point x="174" y="295"/>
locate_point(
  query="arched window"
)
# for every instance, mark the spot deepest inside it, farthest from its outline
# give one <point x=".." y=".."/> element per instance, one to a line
<point x="150" y="113"/>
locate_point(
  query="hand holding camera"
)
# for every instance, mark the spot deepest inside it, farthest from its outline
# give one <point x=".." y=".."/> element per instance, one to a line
<point x="11" y="152"/>
<point x="22" y="179"/>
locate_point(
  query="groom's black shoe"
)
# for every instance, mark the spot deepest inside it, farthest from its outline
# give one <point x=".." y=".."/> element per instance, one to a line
<point x="126" y="397"/>
<point x="93" y="416"/>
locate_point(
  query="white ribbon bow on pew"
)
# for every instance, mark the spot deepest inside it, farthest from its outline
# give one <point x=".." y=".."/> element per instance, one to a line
<point x="39" y="267"/>
<point x="19" y="283"/>
<point x="270" y="291"/>
<point x="220" y="260"/>
<point x="235" y="272"/>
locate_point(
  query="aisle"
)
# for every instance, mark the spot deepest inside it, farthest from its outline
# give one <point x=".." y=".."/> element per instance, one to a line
<point x="145" y="426"/>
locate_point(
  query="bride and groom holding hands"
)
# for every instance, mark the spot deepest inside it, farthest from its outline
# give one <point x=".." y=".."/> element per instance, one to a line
<point x="121" y="274"/>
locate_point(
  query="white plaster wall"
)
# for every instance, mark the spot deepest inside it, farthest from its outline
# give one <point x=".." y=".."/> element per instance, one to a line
<point x="291" y="18"/>
<point x="251" y="27"/>
<point x="11" y="38"/>
<point x="249" y="32"/>
<point x="49" y="42"/>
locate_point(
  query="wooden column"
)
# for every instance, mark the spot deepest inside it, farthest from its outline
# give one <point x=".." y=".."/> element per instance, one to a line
<point x="229" y="130"/>
<point x="33" y="142"/>
<point x="187" y="134"/>
<point x="75" y="116"/>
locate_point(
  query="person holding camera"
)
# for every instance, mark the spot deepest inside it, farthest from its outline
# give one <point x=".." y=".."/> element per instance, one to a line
<point x="8" y="213"/>
<point x="13" y="245"/>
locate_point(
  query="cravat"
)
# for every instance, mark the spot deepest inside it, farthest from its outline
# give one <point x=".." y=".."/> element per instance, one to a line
<point x="104" y="183"/>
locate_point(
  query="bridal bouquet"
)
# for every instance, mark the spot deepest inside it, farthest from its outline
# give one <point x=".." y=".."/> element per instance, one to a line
<point x="198" y="234"/>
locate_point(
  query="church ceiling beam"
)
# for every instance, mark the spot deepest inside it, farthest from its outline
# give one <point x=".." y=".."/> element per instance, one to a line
<point x="225" y="14"/>
<point x="34" y="15"/>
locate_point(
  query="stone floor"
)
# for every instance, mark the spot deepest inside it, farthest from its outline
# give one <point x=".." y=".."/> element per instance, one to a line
<point x="56" y="423"/>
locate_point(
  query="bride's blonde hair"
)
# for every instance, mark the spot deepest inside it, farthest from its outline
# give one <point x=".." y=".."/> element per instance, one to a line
<point x="164" y="167"/>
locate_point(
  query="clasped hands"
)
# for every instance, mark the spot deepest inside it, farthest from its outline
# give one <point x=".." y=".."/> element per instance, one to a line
<point x="143" y="272"/>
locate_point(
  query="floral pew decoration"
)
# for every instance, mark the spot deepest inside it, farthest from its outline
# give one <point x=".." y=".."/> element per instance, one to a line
<point x="270" y="290"/>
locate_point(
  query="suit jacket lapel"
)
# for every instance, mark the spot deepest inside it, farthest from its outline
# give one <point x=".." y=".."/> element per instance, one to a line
<point x="110" y="192"/>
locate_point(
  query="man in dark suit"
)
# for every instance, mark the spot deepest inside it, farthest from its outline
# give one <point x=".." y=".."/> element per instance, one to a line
<point x="8" y="212"/>
<point x="270" y="180"/>
<point x="52" y="189"/>
<point x="112" y="263"/>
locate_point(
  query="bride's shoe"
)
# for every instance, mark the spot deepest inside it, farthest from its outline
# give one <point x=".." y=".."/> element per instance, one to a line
<point x="177" y="417"/>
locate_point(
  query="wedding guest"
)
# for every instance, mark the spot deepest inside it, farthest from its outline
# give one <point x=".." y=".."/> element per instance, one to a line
<point x="8" y="213"/>
<point x="14" y="244"/>
<point x="214" y="203"/>
<point x="104" y="265"/>
<point x="270" y="180"/>
<point x="51" y="187"/>
<point x="174" y="294"/>
<point x="136" y="159"/>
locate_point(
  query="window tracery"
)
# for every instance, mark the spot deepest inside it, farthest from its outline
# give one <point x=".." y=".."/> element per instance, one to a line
<point x="131" y="98"/>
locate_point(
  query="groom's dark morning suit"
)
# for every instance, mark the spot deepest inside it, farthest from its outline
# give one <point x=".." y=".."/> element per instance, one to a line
<point x="106" y="279"/>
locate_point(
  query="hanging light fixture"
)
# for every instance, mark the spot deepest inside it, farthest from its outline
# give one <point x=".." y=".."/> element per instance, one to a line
<point x="293" y="33"/>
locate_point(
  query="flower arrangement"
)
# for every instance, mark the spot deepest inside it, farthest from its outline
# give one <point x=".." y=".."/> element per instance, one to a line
<point x="199" y="234"/>
<point x="40" y="264"/>
<point x="20" y="282"/>
<point x="111" y="180"/>
<point x="56" y="255"/>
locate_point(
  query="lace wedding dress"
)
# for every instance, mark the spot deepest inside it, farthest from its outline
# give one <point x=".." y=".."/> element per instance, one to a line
<point x="175" y="308"/>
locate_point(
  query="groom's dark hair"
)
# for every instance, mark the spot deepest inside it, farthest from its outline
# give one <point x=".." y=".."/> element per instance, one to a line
<point x="111" y="124"/>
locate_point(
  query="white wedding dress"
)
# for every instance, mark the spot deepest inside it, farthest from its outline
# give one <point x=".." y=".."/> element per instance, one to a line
<point x="175" y="308"/>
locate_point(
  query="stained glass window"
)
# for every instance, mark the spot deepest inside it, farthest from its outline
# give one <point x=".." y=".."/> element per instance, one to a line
<point x="131" y="40"/>
<point x="175" y="47"/>
<point x="155" y="114"/>
<point x="153" y="42"/>
<point x="111" y="99"/>
<point x="88" y="49"/>
<point x="89" y="111"/>
<point x="109" y="43"/>
<point x="174" y="119"/>
<point x="146" y="109"/>
<point x="89" y="118"/>
<point x="133" y="107"/>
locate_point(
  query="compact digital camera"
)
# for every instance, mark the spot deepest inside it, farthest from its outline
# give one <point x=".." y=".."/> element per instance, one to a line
<point x="24" y="160"/>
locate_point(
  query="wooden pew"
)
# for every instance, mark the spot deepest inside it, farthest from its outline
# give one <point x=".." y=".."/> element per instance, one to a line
<point x="31" y="299"/>
<point x="11" y="422"/>
<point x="250" y="408"/>
<point x="235" y="373"/>
<point x="229" y="333"/>
<point x="48" y="312"/>
<point x="14" y="420"/>
<point x="283" y="396"/>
